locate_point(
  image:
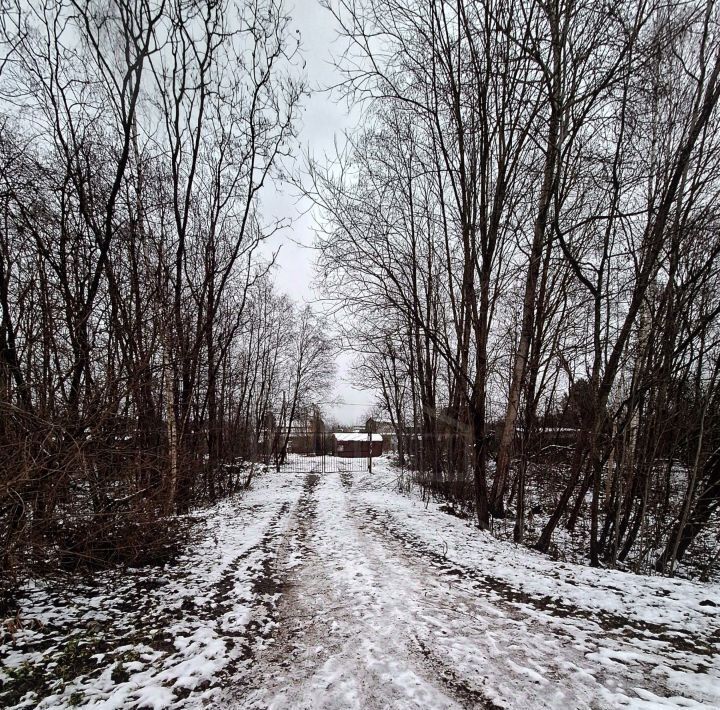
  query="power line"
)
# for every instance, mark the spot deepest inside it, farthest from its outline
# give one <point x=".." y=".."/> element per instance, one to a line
<point x="343" y="404"/>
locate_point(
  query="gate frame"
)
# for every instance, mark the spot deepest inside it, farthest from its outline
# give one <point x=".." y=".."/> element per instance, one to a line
<point x="306" y="461"/>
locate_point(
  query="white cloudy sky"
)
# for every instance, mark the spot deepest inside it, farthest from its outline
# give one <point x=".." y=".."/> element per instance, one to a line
<point x="324" y="119"/>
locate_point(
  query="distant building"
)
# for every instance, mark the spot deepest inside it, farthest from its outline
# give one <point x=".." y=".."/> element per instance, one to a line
<point x="386" y="430"/>
<point x="307" y="433"/>
<point x="377" y="426"/>
<point x="354" y="445"/>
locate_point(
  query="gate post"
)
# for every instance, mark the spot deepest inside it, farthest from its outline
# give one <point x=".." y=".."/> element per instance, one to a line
<point x="370" y="451"/>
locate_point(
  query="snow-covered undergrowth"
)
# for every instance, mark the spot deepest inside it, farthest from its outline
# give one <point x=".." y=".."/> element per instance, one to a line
<point x="154" y="637"/>
<point x="571" y="543"/>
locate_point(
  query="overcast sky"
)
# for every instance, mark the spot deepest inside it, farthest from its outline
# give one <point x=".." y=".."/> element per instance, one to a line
<point x="323" y="119"/>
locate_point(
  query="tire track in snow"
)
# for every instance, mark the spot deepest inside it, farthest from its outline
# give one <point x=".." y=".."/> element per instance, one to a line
<point x="336" y="646"/>
<point x="506" y="593"/>
<point x="266" y="586"/>
<point x="608" y="660"/>
<point x="371" y="617"/>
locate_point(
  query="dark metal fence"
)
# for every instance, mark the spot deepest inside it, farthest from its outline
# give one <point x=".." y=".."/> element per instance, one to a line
<point x="324" y="463"/>
<point x="319" y="455"/>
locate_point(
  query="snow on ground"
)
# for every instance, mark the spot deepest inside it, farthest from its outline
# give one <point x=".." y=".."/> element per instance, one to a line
<point x="335" y="590"/>
<point x="156" y="637"/>
<point x="401" y="606"/>
<point x="642" y="641"/>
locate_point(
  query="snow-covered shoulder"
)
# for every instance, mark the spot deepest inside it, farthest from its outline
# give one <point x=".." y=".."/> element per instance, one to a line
<point x="155" y="637"/>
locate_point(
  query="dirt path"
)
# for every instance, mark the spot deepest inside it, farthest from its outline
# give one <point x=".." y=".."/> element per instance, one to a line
<point x="335" y="590"/>
<point x="369" y="618"/>
<point x="338" y="642"/>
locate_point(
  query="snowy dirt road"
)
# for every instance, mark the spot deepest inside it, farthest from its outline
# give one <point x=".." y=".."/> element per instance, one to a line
<point x="334" y="590"/>
<point x="388" y="605"/>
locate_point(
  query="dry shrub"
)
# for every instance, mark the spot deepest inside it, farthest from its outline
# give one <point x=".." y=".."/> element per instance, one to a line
<point x="72" y="500"/>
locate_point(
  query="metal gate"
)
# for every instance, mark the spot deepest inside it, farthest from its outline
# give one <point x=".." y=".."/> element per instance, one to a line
<point x="324" y="463"/>
<point x="316" y="452"/>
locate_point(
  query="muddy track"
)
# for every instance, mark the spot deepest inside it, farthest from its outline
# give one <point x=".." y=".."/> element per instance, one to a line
<point x="267" y="586"/>
<point x="346" y="478"/>
<point x="461" y="690"/>
<point x="268" y="639"/>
